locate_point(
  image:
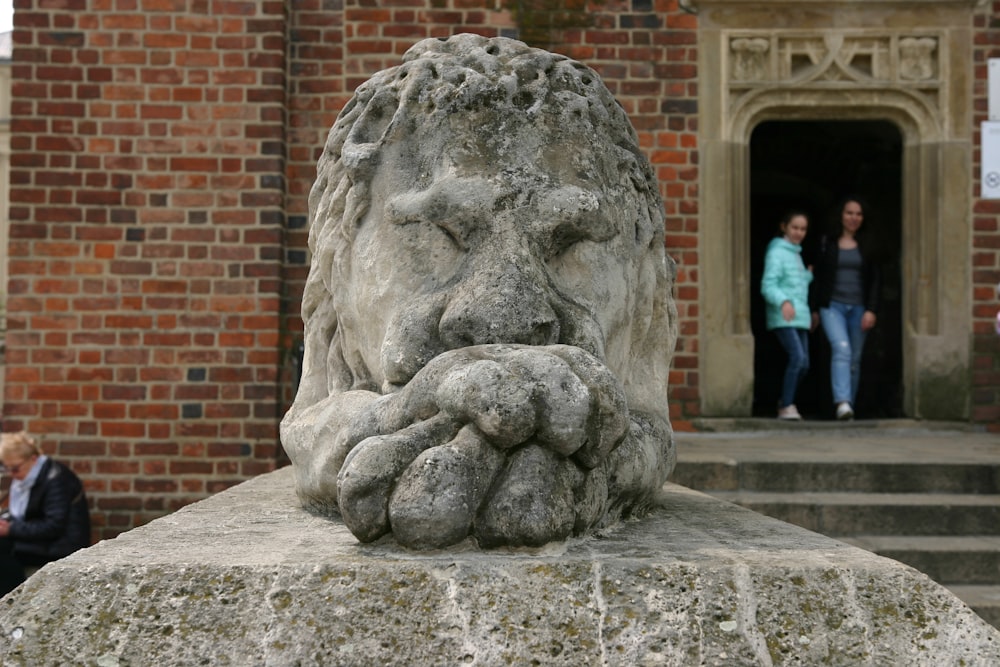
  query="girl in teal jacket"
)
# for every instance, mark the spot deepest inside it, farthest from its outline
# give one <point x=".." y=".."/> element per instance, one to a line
<point x="785" y="288"/>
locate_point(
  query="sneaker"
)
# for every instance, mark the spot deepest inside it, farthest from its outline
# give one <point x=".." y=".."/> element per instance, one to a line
<point x="844" y="411"/>
<point x="789" y="413"/>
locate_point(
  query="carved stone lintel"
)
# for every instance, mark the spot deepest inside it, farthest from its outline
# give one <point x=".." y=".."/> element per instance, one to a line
<point x="833" y="58"/>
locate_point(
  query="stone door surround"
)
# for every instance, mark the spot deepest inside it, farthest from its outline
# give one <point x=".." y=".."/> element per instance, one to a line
<point x="909" y="63"/>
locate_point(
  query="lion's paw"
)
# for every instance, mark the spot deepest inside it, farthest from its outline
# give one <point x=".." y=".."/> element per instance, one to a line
<point x="435" y="501"/>
<point x="519" y="452"/>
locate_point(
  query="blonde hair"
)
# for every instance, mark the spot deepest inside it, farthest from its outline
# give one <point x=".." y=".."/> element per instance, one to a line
<point x="18" y="444"/>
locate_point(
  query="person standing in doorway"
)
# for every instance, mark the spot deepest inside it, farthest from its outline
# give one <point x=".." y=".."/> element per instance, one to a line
<point x="848" y="284"/>
<point x="785" y="288"/>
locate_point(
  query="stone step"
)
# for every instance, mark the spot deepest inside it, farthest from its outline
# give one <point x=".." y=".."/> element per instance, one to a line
<point x="948" y="560"/>
<point x="834" y="476"/>
<point x="926" y="497"/>
<point x="727" y="426"/>
<point x="851" y="514"/>
<point x="984" y="600"/>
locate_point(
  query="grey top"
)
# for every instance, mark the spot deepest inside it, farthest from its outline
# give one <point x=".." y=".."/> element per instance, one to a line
<point x="847" y="284"/>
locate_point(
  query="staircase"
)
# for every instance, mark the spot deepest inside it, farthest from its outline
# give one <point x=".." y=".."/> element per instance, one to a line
<point x="928" y="498"/>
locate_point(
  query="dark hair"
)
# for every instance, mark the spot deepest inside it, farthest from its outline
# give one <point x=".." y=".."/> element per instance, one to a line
<point x="787" y="217"/>
<point x="838" y="211"/>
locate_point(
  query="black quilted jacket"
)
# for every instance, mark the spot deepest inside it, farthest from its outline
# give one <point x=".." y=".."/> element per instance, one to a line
<point x="57" y="520"/>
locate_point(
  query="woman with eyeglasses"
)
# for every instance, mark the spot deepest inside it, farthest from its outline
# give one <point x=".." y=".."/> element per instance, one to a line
<point x="47" y="516"/>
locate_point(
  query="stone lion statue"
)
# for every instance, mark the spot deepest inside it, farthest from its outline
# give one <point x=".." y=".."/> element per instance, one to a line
<point x="488" y="315"/>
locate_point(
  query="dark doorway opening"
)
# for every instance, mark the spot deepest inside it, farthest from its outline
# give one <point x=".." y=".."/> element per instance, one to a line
<point x="810" y="165"/>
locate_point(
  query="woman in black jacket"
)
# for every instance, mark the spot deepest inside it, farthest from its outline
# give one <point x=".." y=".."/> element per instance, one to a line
<point x="846" y="292"/>
<point x="47" y="517"/>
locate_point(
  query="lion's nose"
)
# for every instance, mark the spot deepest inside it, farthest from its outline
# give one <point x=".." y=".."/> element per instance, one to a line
<point x="499" y="307"/>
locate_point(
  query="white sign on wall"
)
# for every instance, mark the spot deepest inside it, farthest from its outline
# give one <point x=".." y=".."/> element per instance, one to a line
<point x="993" y="88"/>
<point x="990" y="165"/>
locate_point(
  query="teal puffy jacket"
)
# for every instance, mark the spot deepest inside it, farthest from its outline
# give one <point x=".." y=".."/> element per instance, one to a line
<point x="786" y="279"/>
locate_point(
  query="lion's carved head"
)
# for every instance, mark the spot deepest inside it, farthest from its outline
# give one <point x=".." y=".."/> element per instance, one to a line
<point x="489" y="318"/>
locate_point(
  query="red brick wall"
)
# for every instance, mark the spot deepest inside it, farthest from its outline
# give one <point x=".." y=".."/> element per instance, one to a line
<point x="985" y="242"/>
<point x="145" y="245"/>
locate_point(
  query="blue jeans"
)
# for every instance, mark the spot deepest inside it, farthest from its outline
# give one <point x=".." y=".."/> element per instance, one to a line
<point x="842" y="324"/>
<point x="796" y="344"/>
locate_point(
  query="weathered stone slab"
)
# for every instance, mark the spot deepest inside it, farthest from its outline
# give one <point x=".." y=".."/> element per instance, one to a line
<point x="249" y="578"/>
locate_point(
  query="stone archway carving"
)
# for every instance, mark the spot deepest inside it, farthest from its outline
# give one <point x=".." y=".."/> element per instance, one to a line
<point x="916" y="75"/>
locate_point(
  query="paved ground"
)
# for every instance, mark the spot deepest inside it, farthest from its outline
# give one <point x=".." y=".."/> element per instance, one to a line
<point x="882" y="441"/>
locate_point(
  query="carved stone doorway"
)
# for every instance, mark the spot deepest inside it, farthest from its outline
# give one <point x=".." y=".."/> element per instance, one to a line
<point x="904" y="63"/>
<point x="809" y="166"/>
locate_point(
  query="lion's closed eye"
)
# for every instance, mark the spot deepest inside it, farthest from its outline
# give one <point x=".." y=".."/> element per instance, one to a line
<point x="433" y="227"/>
<point x="572" y="215"/>
<point x="569" y="231"/>
<point x="433" y="217"/>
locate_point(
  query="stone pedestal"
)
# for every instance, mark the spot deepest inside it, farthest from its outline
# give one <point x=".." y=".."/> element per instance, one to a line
<point x="248" y="578"/>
